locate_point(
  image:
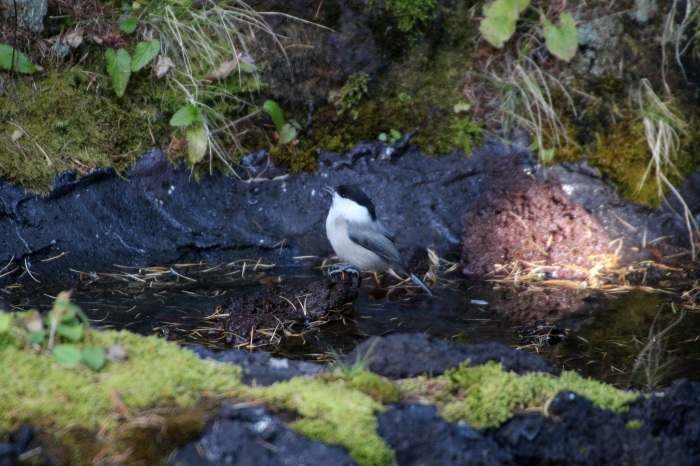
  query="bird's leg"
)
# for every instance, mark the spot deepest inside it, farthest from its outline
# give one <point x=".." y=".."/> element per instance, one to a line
<point x="336" y="269"/>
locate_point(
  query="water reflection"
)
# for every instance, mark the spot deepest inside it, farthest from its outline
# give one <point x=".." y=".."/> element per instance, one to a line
<point x="634" y="339"/>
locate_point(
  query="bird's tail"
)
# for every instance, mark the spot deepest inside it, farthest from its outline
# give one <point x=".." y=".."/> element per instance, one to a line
<point x="419" y="282"/>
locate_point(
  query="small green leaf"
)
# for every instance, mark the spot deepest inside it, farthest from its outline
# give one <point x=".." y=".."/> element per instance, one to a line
<point x="72" y="332"/>
<point x="275" y="112"/>
<point x="197" y="143"/>
<point x="144" y="53"/>
<point x="37" y="337"/>
<point x="68" y="355"/>
<point x="94" y="357"/>
<point x="21" y="62"/>
<point x="498" y="24"/>
<point x="128" y="24"/>
<point x="288" y="134"/>
<point x="395" y="134"/>
<point x="562" y="41"/>
<point x="546" y="155"/>
<point x="246" y="67"/>
<point x="119" y="69"/>
<point x="383" y="137"/>
<point x="186" y="116"/>
<point x="461" y="107"/>
<point x="5" y="321"/>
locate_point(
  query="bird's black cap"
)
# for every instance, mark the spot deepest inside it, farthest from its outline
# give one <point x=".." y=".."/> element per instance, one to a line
<point x="352" y="192"/>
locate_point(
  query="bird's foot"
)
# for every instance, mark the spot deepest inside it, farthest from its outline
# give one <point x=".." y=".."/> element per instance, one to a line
<point x="336" y="269"/>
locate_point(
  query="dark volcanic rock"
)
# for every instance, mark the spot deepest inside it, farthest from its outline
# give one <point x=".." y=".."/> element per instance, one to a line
<point x="254" y="436"/>
<point x="157" y="214"/>
<point x="665" y="431"/>
<point x="420" y="437"/>
<point x="260" y="368"/>
<point x="576" y="433"/>
<point x="408" y="355"/>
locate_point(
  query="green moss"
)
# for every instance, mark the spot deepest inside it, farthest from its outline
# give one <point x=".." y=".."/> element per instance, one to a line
<point x="412" y="15"/>
<point x="156" y="372"/>
<point x="487" y="396"/>
<point x="352" y="93"/>
<point x="634" y="424"/>
<point x="445" y="133"/>
<point x="623" y="157"/>
<point x="379" y="388"/>
<point x="333" y="413"/>
<point x="69" y="120"/>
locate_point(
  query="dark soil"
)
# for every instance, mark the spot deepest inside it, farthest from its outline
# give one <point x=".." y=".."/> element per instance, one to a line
<point x="282" y="308"/>
<point x="521" y="221"/>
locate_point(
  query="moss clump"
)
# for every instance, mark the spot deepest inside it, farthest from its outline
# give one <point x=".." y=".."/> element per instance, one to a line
<point x="487" y="396"/>
<point x="623" y="157"/>
<point x="352" y="93"/>
<point x="42" y="392"/>
<point x="445" y="133"/>
<point x="412" y="15"/>
<point x="333" y="413"/>
<point x="64" y="120"/>
<point x="379" y="388"/>
<point x="634" y="424"/>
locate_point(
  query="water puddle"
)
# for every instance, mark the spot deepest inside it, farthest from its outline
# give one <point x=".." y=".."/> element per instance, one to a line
<point x="633" y="339"/>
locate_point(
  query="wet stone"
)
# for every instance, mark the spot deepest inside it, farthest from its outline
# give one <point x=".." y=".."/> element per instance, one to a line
<point x="428" y="355"/>
<point x="418" y="435"/>
<point x="254" y="436"/>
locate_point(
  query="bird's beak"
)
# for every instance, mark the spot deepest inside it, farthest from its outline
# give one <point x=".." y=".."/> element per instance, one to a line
<point x="329" y="190"/>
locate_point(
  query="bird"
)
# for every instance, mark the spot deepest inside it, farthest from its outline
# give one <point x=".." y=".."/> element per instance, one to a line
<point x="358" y="238"/>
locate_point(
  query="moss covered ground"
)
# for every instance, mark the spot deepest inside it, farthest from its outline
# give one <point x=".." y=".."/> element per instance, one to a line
<point x="162" y="388"/>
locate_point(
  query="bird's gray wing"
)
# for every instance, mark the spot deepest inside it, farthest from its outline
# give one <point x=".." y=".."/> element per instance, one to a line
<point x="377" y="242"/>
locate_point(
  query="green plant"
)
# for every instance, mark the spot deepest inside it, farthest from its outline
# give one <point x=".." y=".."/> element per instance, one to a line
<point x="501" y="16"/>
<point x="12" y="59"/>
<point x="391" y="138"/>
<point x="286" y="131"/>
<point x="352" y="93"/>
<point x="525" y="94"/>
<point x="191" y="117"/>
<point x="207" y="45"/>
<point x="412" y="14"/>
<point x="663" y="128"/>
<point x="120" y="64"/>
<point x="55" y="334"/>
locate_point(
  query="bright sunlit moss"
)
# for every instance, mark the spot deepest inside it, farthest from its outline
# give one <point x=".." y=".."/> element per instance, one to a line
<point x="40" y="391"/>
<point x="487" y="396"/>
<point x="333" y="413"/>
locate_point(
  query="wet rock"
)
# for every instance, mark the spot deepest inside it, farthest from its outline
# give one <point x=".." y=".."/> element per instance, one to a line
<point x="408" y="355"/>
<point x="157" y="214"/>
<point x="575" y="433"/>
<point x="658" y="429"/>
<point x="521" y="221"/>
<point x="261" y="368"/>
<point x="254" y="436"/>
<point x="418" y="436"/>
<point x="668" y="426"/>
<point x="257" y="317"/>
<point x="20" y="443"/>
